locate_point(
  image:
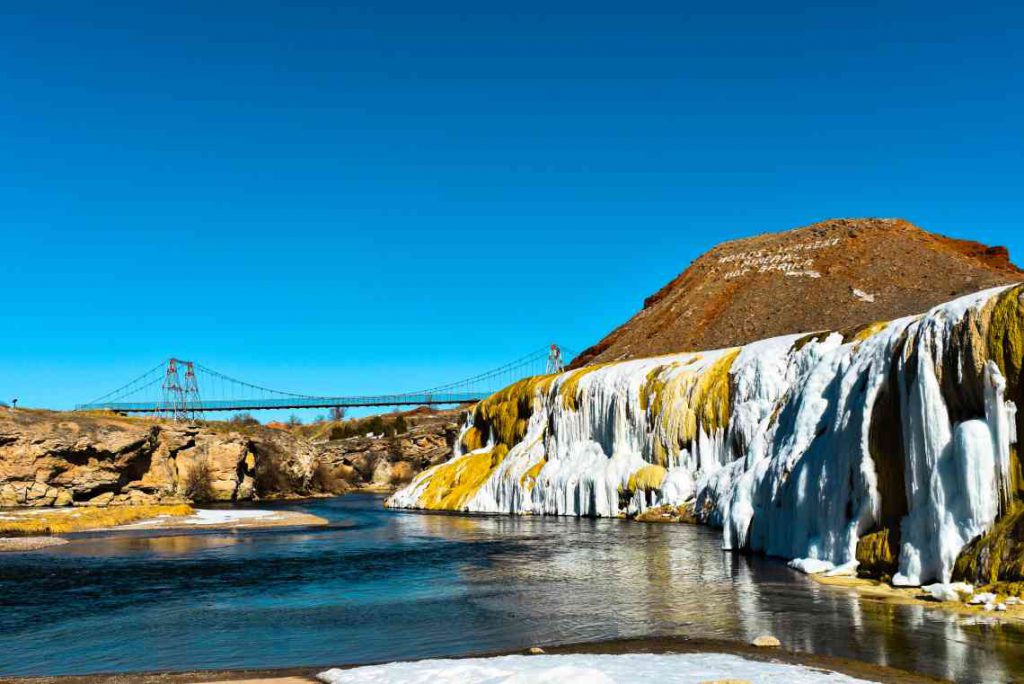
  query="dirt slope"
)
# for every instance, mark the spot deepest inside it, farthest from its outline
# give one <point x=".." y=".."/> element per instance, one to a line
<point x="830" y="275"/>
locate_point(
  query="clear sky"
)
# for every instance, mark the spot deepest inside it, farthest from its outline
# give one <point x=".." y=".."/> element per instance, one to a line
<point x="370" y="197"/>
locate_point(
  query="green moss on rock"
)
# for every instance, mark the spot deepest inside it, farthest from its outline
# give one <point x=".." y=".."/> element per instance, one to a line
<point x="996" y="556"/>
<point x="878" y="553"/>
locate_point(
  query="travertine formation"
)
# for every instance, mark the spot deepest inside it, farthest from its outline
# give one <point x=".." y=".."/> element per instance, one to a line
<point x="891" y="445"/>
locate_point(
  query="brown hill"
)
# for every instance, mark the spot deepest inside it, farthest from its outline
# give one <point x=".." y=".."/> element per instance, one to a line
<point x="827" y="276"/>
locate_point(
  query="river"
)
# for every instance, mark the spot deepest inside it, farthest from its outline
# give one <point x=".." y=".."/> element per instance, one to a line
<point x="380" y="585"/>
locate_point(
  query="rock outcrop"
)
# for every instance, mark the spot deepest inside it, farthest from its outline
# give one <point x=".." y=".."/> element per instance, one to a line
<point x="832" y="275"/>
<point x="58" y="459"/>
<point x="384" y="463"/>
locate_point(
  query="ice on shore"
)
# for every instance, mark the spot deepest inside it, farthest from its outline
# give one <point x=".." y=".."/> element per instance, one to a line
<point x="629" y="668"/>
<point x="811" y="566"/>
<point x="984" y="597"/>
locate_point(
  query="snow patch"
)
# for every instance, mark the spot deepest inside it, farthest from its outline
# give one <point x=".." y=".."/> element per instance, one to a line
<point x="631" y="668"/>
<point x="844" y="570"/>
<point x="811" y="566"/>
<point x="205" y="516"/>
<point x="984" y="597"/>
<point x="221" y="516"/>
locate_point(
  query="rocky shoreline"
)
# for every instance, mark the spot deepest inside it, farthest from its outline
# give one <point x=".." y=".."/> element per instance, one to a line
<point x="57" y="459"/>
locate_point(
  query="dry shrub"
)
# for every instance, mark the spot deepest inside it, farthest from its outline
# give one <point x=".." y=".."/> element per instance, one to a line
<point x="270" y="478"/>
<point x="198" y="484"/>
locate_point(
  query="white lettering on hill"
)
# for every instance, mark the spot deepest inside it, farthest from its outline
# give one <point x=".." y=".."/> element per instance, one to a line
<point x="792" y="260"/>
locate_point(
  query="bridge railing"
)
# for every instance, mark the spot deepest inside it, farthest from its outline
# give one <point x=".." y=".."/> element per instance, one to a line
<point x="184" y="389"/>
<point x="452" y="398"/>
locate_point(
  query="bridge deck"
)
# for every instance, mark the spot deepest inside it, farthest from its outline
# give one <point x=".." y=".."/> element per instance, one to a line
<point x="294" y="403"/>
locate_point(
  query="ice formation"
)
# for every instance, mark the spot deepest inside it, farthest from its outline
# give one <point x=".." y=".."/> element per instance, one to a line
<point x="894" y="442"/>
<point x="634" y="668"/>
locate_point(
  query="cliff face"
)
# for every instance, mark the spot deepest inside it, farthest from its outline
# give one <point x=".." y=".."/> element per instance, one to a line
<point x="891" y="445"/>
<point x="383" y="463"/>
<point x="55" y="459"/>
<point x="828" y="276"/>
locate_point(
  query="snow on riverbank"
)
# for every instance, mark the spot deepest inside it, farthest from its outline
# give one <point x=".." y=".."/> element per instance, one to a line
<point x="631" y="668"/>
<point x="221" y="517"/>
<point x="206" y="517"/>
<point x="230" y="518"/>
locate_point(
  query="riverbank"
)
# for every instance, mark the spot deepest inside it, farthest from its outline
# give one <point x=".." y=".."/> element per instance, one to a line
<point x="875" y="590"/>
<point x="653" y="645"/>
<point x="40" y="528"/>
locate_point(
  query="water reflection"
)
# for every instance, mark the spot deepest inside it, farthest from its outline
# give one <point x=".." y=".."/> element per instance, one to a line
<point x="166" y="545"/>
<point x="381" y="585"/>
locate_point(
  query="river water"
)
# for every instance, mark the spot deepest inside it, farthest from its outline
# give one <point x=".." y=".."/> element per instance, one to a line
<point x="381" y="585"/>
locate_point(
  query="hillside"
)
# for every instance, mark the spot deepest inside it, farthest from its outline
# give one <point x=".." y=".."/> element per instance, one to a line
<point x="831" y="275"/>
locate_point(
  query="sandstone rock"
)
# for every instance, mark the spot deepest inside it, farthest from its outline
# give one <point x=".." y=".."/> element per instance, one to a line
<point x="36" y="494"/>
<point x="382" y="473"/>
<point x="246" y="489"/>
<point x="101" y="499"/>
<point x="50" y="497"/>
<point x="766" y="641"/>
<point x="9" y="495"/>
<point x="162" y="474"/>
<point x="346" y="472"/>
<point x="54" y="458"/>
<point x="36" y="491"/>
<point x="402" y="472"/>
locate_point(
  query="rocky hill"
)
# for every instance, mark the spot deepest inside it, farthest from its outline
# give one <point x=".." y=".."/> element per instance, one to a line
<point x="832" y="275"/>
<point x="51" y="458"/>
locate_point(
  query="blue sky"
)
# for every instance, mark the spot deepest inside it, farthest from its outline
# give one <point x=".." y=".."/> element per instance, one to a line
<point x="372" y="197"/>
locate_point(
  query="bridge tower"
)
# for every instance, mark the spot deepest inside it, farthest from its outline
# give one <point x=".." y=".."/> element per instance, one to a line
<point x="555" y="363"/>
<point x="190" y="392"/>
<point x="181" y="398"/>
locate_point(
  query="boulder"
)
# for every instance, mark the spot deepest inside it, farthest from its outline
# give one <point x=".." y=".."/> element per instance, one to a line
<point x="10" y="496"/>
<point x="103" y="499"/>
<point x="766" y="641"/>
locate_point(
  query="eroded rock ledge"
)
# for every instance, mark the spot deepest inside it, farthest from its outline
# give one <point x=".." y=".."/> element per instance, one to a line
<point x="50" y="458"/>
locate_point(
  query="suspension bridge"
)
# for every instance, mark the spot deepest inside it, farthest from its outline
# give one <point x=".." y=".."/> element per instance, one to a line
<point x="185" y="390"/>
